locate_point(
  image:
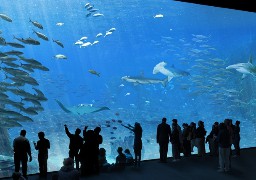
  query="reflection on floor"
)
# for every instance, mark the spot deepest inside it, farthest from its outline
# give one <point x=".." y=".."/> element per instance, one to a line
<point x="191" y="168"/>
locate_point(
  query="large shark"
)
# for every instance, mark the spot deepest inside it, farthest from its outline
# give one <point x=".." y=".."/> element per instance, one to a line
<point x="142" y="80"/>
<point x="244" y="68"/>
<point x="81" y="109"/>
<point x="170" y="72"/>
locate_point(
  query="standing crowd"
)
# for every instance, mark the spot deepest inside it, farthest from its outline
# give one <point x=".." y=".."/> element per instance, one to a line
<point x="89" y="159"/>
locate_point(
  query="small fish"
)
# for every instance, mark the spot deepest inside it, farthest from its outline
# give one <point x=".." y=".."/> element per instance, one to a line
<point x="159" y="16"/>
<point x="107" y="121"/>
<point x="127" y="94"/>
<point x="108" y="125"/>
<point x="12" y="52"/>
<point x="59" y="24"/>
<point x="112" y="133"/>
<point x="37" y="24"/>
<point x="97" y="15"/>
<point x="58" y="42"/>
<point x="95" y="42"/>
<point x="83" y="38"/>
<point x="89" y="14"/>
<point x="98" y="35"/>
<point x="112" y="30"/>
<point x="60" y="56"/>
<point x="121" y="85"/>
<point x="117" y="114"/>
<point x="5" y="17"/>
<point x="119" y="121"/>
<point x="107" y="33"/>
<point x="41" y="35"/>
<point x="78" y="42"/>
<point x="115" y="128"/>
<point x="93" y="10"/>
<point x="87" y="5"/>
<point x="94" y="72"/>
<point x="86" y="44"/>
<point x="113" y="138"/>
<point x="113" y="120"/>
<point x="16" y="45"/>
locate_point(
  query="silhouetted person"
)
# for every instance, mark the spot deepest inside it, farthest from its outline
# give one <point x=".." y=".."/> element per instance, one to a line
<point x="224" y="148"/>
<point x="193" y="135"/>
<point x="99" y="141"/>
<point x="76" y="142"/>
<point x="175" y="140"/>
<point x="137" y="143"/>
<point x="129" y="158"/>
<point x="211" y="139"/>
<point x="22" y="150"/>
<point x="175" y="121"/>
<point x="200" y="138"/>
<point x="84" y="131"/>
<point x="120" y="159"/>
<point x="186" y="140"/>
<point x="236" y="139"/>
<point x="88" y="153"/>
<point x="42" y="146"/>
<point x="163" y="138"/>
<point x="67" y="171"/>
<point x="103" y="163"/>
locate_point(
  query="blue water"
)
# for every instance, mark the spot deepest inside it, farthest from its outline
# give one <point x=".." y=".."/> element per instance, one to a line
<point x="197" y="39"/>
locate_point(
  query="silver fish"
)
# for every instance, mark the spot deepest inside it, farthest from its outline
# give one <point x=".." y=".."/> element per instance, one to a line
<point x="36" y="24"/>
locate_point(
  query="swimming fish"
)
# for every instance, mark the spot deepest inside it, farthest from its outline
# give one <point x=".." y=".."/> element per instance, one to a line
<point x="107" y="33"/>
<point x="36" y="24"/>
<point x="97" y="15"/>
<point x="41" y="35"/>
<point x="58" y="42"/>
<point x="5" y="17"/>
<point x="158" y="16"/>
<point x="59" y="24"/>
<point x="94" y="72"/>
<point x="99" y="34"/>
<point x="112" y="30"/>
<point x="60" y="56"/>
<point x="81" y="110"/>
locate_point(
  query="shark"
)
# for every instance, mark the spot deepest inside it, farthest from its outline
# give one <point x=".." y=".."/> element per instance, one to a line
<point x="170" y="72"/>
<point x="244" y="68"/>
<point x="81" y="109"/>
<point x="143" y="80"/>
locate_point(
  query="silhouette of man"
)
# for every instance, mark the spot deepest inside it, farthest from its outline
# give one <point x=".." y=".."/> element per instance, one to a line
<point x="76" y="142"/>
<point x="21" y="149"/>
<point x="99" y="141"/>
<point x="163" y="137"/>
<point x="42" y="146"/>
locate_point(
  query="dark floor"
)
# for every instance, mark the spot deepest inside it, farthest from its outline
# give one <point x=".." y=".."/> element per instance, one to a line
<point x="193" y="168"/>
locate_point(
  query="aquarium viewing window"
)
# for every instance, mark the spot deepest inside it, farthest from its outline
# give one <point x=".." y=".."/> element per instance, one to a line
<point x="112" y="64"/>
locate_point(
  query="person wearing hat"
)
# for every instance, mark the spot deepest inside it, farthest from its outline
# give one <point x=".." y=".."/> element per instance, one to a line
<point x="76" y="143"/>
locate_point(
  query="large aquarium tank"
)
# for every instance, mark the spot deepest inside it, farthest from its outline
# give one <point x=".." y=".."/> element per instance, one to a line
<point x="109" y="64"/>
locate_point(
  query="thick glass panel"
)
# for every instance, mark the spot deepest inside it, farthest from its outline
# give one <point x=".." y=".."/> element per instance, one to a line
<point x="121" y="62"/>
